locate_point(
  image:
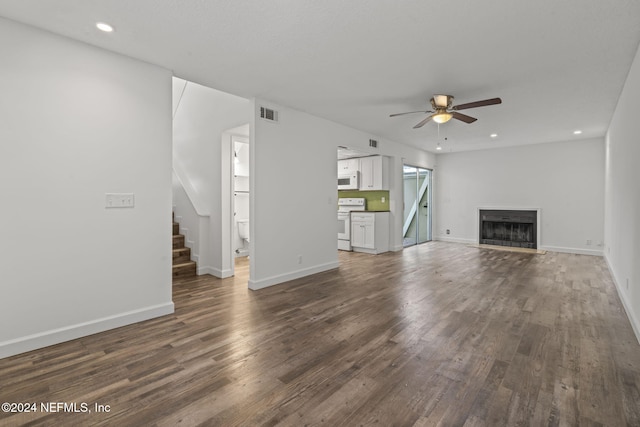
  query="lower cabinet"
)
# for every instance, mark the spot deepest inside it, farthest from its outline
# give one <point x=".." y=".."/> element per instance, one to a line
<point x="370" y="232"/>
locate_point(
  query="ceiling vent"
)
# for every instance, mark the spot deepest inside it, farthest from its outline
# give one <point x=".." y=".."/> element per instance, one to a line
<point x="268" y="114"/>
<point x="373" y="143"/>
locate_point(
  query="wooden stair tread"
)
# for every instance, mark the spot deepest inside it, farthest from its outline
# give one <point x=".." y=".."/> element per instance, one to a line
<point x="182" y="266"/>
<point x="181" y="255"/>
<point x="187" y="269"/>
<point x="178" y="241"/>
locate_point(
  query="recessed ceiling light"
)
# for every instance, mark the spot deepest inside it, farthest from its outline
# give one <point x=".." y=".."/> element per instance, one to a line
<point x="438" y="147"/>
<point x="104" y="27"/>
<point x="577" y="132"/>
<point x="494" y="135"/>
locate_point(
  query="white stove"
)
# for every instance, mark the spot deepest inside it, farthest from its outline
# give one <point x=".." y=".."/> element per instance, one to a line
<point x="345" y="207"/>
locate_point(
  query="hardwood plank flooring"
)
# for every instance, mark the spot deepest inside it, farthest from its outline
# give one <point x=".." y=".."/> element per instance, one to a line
<point x="438" y="334"/>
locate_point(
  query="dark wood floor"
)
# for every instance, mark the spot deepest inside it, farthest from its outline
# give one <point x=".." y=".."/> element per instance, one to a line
<point x="438" y="334"/>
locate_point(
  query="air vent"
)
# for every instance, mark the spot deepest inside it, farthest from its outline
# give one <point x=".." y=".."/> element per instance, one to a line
<point x="268" y="114"/>
<point x="373" y="143"/>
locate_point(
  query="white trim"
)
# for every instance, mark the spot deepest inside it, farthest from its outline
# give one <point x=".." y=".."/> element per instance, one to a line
<point x="188" y="243"/>
<point x="281" y="278"/>
<point x="220" y="274"/>
<point x="578" y="251"/>
<point x="397" y="248"/>
<point x="635" y="325"/>
<point x="68" y="333"/>
<point x="455" y="240"/>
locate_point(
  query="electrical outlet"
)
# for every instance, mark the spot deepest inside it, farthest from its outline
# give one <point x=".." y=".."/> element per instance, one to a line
<point x="299" y="259"/>
<point x="119" y="200"/>
<point x="448" y="231"/>
<point x="383" y="199"/>
<point x="588" y="242"/>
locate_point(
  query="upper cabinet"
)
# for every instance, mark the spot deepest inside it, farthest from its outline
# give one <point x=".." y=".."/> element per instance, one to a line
<point x="373" y="173"/>
<point x="348" y="166"/>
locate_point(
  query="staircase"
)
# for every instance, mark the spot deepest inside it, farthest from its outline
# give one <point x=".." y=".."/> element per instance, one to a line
<point x="182" y="264"/>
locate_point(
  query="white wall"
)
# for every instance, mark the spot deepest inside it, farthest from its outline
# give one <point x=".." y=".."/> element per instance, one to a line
<point x="79" y="122"/>
<point x="563" y="179"/>
<point x="622" y="213"/>
<point x="294" y="194"/>
<point x="200" y="120"/>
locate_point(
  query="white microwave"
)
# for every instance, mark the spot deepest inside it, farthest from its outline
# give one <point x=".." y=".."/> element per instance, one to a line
<point x="349" y="181"/>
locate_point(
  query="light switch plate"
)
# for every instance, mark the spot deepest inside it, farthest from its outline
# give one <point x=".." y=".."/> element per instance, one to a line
<point x="119" y="200"/>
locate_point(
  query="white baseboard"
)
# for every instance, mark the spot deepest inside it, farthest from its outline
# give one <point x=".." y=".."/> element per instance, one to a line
<point x="594" y="252"/>
<point x="221" y="274"/>
<point x="455" y="240"/>
<point x="578" y="251"/>
<point x="635" y="325"/>
<point x="68" y="333"/>
<point x="281" y="278"/>
<point x="397" y="248"/>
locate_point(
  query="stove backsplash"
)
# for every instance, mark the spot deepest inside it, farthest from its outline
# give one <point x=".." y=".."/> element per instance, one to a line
<point x="374" y="198"/>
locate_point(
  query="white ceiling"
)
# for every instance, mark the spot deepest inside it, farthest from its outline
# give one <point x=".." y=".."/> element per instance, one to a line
<point x="557" y="65"/>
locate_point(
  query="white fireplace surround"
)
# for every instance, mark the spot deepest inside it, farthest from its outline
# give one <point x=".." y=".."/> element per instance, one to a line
<point x="508" y="208"/>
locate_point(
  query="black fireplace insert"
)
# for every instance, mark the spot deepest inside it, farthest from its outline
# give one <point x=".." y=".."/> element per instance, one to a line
<point x="513" y="228"/>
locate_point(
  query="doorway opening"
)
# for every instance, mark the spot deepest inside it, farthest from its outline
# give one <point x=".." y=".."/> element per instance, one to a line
<point x="240" y="230"/>
<point x="236" y="189"/>
<point x="416" y="227"/>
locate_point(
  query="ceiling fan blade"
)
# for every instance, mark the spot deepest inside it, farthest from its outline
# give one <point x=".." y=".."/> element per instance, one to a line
<point x="422" y="123"/>
<point x="463" y="117"/>
<point x="409" y="112"/>
<point x="476" y="104"/>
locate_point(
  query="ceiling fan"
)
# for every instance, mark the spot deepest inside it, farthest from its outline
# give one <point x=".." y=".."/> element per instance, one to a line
<point x="444" y="110"/>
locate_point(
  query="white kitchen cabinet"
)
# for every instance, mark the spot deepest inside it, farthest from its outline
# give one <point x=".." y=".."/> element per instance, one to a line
<point x="370" y="232"/>
<point x="373" y="174"/>
<point x="363" y="232"/>
<point x="348" y="166"/>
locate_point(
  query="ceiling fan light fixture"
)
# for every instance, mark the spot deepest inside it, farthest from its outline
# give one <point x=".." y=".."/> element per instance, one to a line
<point x="442" y="117"/>
<point x="103" y="26"/>
<point x="444" y="110"/>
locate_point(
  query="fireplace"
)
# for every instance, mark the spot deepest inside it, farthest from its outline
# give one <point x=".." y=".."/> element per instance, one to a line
<point x="515" y="228"/>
